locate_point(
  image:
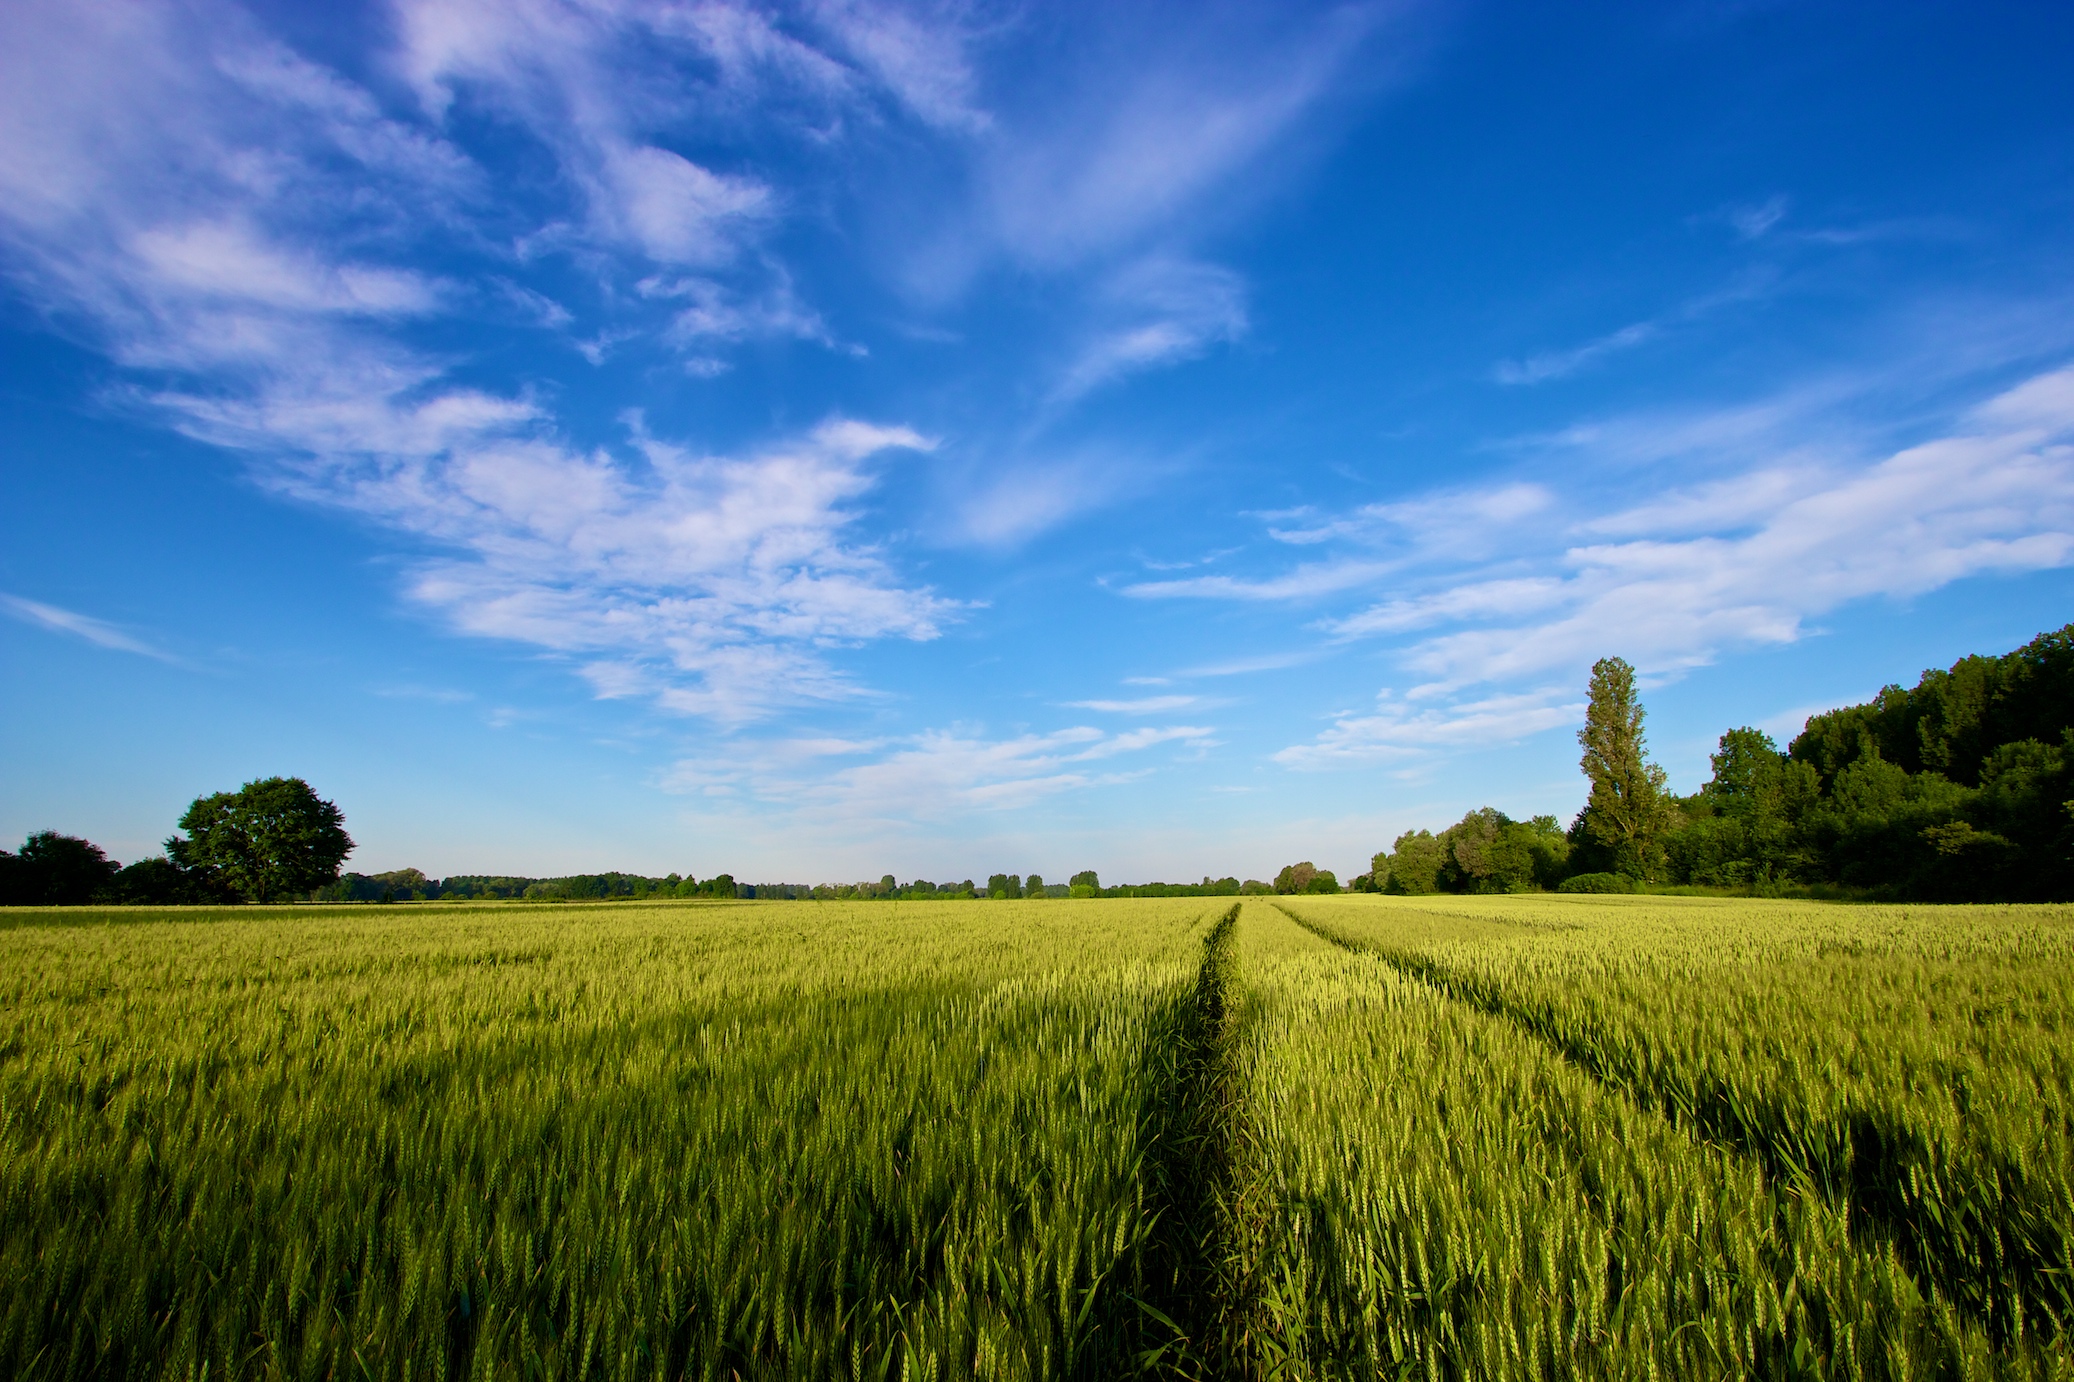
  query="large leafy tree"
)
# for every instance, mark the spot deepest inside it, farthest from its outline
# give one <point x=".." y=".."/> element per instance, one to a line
<point x="54" y="870"/>
<point x="1294" y="878"/>
<point x="1412" y="868"/>
<point x="1629" y="811"/>
<point x="270" y="839"/>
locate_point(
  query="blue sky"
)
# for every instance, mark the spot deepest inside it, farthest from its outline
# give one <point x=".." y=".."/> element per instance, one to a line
<point x="826" y="440"/>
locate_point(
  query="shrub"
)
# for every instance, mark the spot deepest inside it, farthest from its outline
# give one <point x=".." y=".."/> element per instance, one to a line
<point x="1598" y="883"/>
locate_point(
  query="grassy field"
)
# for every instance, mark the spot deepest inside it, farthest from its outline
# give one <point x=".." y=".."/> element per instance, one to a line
<point x="768" y="1140"/>
<point x="1314" y="1137"/>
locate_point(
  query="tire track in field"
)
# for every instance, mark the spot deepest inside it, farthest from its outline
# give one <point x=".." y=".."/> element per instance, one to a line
<point x="1860" y="1168"/>
<point x="1202" y="1307"/>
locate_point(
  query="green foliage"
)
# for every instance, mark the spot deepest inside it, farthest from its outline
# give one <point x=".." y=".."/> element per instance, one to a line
<point x="1628" y="813"/>
<point x="148" y="882"/>
<point x="1955" y="790"/>
<point x="1489" y="852"/>
<point x="1086" y="878"/>
<point x="1953" y="721"/>
<point x="270" y="839"/>
<point x="398" y="885"/>
<point x="1743" y="829"/>
<point x="1597" y="883"/>
<point x="1959" y="790"/>
<point x="1295" y="878"/>
<point x="1209" y="887"/>
<point x="1485" y="851"/>
<point x="720" y="885"/>
<point x="1305" y="878"/>
<point x="1415" y="864"/>
<point x="55" y="870"/>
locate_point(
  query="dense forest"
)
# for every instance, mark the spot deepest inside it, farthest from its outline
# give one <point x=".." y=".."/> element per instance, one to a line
<point x="1958" y="789"/>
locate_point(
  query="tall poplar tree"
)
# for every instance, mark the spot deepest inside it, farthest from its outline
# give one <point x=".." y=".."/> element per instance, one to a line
<point x="1628" y="813"/>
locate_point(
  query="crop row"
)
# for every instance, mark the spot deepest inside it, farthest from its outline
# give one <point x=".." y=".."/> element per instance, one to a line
<point x="1910" y="1069"/>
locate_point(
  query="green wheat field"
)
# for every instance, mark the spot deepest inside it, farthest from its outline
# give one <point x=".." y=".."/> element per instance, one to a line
<point x="1315" y="1137"/>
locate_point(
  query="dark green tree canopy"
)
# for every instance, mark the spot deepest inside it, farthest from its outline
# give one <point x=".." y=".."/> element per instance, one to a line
<point x="159" y="882"/>
<point x="270" y="839"/>
<point x="1952" y="721"/>
<point x="1485" y="852"/>
<point x="1412" y="868"/>
<point x="1742" y="764"/>
<point x="1305" y="877"/>
<point x="54" y="870"/>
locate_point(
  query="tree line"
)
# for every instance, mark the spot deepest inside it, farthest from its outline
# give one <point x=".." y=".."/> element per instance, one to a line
<point x="1959" y="789"/>
<point x="271" y="840"/>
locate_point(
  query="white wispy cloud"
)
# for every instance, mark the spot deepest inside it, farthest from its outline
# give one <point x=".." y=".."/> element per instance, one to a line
<point x="938" y="775"/>
<point x="1715" y="506"/>
<point x="1473" y="600"/>
<point x="1460" y="522"/>
<point x="1142" y="705"/>
<point x="920" y="54"/>
<point x="248" y="231"/>
<point x="240" y="225"/>
<point x="1755" y="221"/>
<point x="85" y="627"/>
<point x="436" y="695"/>
<point x="236" y="263"/>
<point x="1679" y="577"/>
<point x="1556" y="364"/>
<point x="1398" y="730"/>
<point x="1991" y="497"/>
<point x="1005" y="496"/>
<point x="1305" y="582"/>
<point x="707" y="583"/>
<point x="1155" y="121"/>
<point x="1099" y="173"/>
<point x="713" y="311"/>
<point x="1246" y="666"/>
<point x="593" y="84"/>
<point x="1159" y="311"/>
<point x="674" y="210"/>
